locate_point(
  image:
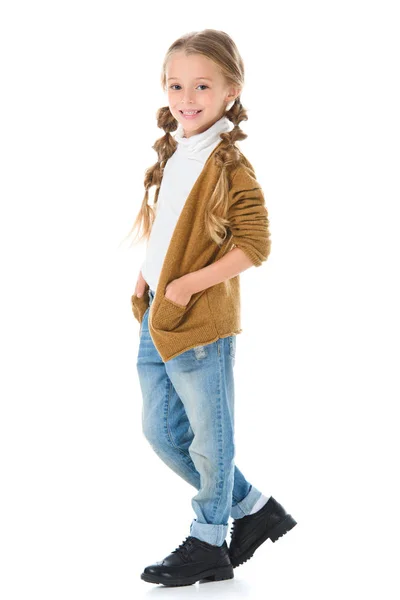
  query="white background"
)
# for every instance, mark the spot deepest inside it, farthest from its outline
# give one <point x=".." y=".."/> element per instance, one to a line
<point x="85" y="503"/>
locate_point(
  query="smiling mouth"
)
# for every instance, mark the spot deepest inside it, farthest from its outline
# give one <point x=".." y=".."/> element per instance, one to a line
<point x="189" y="112"/>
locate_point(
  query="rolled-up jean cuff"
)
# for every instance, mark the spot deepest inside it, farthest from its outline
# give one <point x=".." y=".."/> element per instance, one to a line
<point x="244" y="507"/>
<point x="209" y="532"/>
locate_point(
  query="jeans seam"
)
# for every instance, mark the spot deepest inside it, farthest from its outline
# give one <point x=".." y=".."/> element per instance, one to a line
<point x="219" y="422"/>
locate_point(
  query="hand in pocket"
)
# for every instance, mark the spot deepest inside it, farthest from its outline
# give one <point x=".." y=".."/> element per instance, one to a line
<point x="141" y="285"/>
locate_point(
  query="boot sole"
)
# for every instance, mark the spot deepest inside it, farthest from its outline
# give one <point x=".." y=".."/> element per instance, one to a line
<point x="215" y="574"/>
<point x="274" y="534"/>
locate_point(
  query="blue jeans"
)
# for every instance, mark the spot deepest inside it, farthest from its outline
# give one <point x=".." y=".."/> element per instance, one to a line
<point x="188" y="419"/>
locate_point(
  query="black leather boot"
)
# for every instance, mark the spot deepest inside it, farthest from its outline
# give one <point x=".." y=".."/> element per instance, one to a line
<point x="249" y="532"/>
<point x="192" y="561"/>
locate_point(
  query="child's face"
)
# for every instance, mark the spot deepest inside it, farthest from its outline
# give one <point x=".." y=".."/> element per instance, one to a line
<point x="186" y="91"/>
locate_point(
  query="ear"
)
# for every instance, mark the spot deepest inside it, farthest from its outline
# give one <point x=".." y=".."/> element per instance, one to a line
<point x="233" y="93"/>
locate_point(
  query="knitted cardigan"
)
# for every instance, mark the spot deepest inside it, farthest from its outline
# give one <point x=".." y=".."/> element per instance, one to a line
<point x="212" y="313"/>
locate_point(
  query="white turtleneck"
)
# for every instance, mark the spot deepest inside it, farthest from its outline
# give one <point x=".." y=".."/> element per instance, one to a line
<point x="180" y="173"/>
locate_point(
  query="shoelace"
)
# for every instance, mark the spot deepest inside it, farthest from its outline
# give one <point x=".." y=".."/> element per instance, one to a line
<point x="184" y="547"/>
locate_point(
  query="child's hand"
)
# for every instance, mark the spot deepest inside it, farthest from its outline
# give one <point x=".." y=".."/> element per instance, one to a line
<point x="178" y="291"/>
<point x="140" y="285"/>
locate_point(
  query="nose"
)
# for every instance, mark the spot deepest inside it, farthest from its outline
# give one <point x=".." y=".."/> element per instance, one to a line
<point x="187" y="97"/>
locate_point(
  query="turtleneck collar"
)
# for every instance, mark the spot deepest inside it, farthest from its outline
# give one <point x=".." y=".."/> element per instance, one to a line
<point x="200" y="141"/>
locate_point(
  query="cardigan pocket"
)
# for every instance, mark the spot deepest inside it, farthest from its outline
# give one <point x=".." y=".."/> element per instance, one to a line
<point x="139" y="305"/>
<point x="169" y="314"/>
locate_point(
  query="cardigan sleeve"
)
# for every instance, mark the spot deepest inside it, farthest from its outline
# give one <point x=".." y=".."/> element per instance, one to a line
<point x="248" y="215"/>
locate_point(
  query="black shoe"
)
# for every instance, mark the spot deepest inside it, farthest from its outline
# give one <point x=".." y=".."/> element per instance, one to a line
<point x="249" y="532"/>
<point x="192" y="561"/>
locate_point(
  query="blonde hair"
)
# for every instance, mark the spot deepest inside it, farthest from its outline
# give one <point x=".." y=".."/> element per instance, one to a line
<point x="220" y="48"/>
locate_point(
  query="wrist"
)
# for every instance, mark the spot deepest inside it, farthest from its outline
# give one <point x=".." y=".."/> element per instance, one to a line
<point x="189" y="281"/>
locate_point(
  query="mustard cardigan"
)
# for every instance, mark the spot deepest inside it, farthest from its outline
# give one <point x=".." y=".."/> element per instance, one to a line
<point x="212" y="313"/>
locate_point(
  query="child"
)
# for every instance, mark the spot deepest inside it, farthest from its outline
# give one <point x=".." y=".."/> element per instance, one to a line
<point x="210" y="223"/>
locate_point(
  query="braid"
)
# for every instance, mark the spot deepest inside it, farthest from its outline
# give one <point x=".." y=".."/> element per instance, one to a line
<point x="165" y="146"/>
<point x="229" y="154"/>
<point x="226" y="158"/>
